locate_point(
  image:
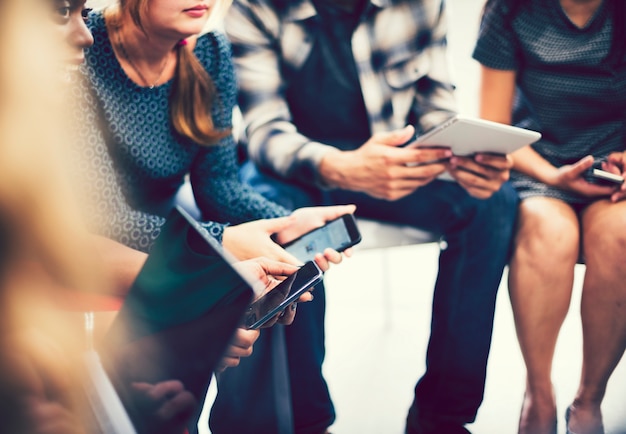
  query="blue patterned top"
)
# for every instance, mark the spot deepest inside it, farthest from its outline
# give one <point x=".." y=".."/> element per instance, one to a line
<point x="565" y="87"/>
<point x="150" y="159"/>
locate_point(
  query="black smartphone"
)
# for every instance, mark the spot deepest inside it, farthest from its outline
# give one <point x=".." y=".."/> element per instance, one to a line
<point x="281" y="296"/>
<point x="338" y="234"/>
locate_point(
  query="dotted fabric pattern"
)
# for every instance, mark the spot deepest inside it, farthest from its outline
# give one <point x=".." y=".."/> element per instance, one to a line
<point x="138" y="148"/>
<point x="566" y="89"/>
<point x="106" y="209"/>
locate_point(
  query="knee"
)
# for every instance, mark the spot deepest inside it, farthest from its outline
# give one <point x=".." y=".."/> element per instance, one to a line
<point x="547" y="240"/>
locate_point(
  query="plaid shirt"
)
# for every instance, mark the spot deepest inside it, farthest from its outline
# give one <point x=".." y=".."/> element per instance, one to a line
<point x="399" y="48"/>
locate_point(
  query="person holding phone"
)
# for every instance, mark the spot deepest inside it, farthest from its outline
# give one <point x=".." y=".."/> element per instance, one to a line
<point x="559" y="67"/>
<point x="138" y="104"/>
<point x="330" y="91"/>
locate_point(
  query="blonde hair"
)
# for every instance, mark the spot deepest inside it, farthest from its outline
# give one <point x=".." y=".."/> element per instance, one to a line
<point x="193" y="93"/>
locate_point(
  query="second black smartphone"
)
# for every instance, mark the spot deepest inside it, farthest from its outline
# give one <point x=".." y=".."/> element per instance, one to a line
<point x="338" y="234"/>
<point x="281" y="296"/>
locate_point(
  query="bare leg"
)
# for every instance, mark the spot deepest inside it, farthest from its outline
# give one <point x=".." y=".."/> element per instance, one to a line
<point x="541" y="276"/>
<point x="603" y="310"/>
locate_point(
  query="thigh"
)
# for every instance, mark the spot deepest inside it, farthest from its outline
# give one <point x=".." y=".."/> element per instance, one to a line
<point x="436" y="207"/>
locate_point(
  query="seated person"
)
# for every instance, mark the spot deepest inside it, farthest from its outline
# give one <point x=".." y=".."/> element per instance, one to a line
<point x="329" y="92"/>
<point x="559" y="67"/>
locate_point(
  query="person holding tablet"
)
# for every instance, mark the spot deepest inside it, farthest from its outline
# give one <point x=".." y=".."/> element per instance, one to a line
<point x="329" y="91"/>
<point x="559" y="67"/>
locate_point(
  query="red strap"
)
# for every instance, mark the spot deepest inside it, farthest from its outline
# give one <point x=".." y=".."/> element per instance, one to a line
<point x="85" y="301"/>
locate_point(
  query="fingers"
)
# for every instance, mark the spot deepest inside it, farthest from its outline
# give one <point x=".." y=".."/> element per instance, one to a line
<point x="483" y="165"/>
<point x="172" y="401"/>
<point x="332" y="212"/>
<point x="287" y="316"/>
<point x="305" y="297"/>
<point x="159" y="391"/>
<point x="577" y="169"/>
<point x="177" y="409"/>
<point x="242" y="341"/>
<point x="228" y="362"/>
<point x="278" y="224"/>
<point x="276" y="268"/>
<point x="417" y="156"/>
<point x="620" y="194"/>
<point x="395" y="137"/>
<point x="615" y="163"/>
<point x="424" y="172"/>
<point x="322" y="262"/>
<point x="330" y="256"/>
<point x="497" y="162"/>
<point x="240" y="346"/>
<point x="481" y="175"/>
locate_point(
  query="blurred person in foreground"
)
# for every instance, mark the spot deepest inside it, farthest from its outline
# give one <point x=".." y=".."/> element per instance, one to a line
<point x="42" y="241"/>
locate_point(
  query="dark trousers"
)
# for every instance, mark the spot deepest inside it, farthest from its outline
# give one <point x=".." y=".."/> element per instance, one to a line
<point x="478" y="234"/>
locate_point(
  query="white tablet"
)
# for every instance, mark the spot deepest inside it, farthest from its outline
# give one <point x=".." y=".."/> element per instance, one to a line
<point x="466" y="135"/>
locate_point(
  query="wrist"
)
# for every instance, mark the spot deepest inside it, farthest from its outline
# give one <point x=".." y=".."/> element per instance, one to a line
<point x="549" y="177"/>
<point x="330" y="168"/>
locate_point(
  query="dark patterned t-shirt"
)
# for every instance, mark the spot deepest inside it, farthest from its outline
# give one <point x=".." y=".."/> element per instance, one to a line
<point x="565" y="87"/>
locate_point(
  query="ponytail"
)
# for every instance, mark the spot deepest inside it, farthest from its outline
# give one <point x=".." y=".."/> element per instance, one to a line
<point x="193" y="95"/>
<point x="193" y="92"/>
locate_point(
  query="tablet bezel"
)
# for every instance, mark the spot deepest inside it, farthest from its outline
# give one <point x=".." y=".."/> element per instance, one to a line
<point x="466" y="136"/>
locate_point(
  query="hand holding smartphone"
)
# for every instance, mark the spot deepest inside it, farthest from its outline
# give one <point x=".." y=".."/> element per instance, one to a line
<point x="280" y="297"/>
<point x="338" y="234"/>
<point x="595" y="175"/>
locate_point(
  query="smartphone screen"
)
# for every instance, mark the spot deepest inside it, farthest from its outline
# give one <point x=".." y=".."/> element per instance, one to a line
<point x="338" y="234"/>
<point x="285" y="293"/>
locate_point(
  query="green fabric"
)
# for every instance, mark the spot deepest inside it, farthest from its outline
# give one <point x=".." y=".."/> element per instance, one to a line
<point x="183" y="278"/>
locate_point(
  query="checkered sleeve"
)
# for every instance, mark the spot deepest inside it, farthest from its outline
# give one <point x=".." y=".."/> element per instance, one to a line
<point x="273" y="142"/>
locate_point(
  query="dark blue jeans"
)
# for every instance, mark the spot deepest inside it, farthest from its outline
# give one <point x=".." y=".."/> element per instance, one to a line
<point x="478" y="235"/>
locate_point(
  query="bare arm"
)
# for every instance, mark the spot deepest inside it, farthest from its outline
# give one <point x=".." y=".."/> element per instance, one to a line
<point x="497" y="91"/>
<point x="121" y="264"/>
<point x="496" y="103"/>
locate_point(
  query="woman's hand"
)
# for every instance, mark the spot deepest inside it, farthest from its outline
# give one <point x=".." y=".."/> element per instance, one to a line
<point x="167" y="403"/>
<point x="570" y="177"/>
<point x="616" y="163"/>
<point x="254" y="239"/>
<point x="270" y="274"/>
<point x="240" y="346"/>
<point x="309" y="218"/>
<point x="266" y="271"/>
